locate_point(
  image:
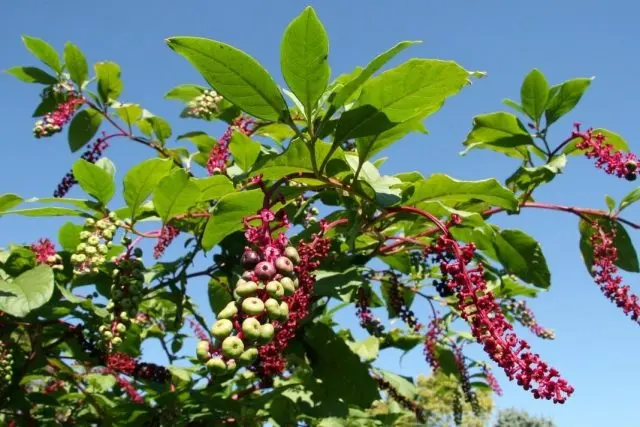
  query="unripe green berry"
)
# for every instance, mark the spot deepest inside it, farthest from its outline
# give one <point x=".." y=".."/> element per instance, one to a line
<point x="248" y="356"/>
<point x="273" y="308"/>
<point x="216" y="366"/>
<point x="292" y="253"/>
<point x="121" y="328"/>
<point x="246" y="289"/>
<point x="284" y="311"/>
<point x="222" y="328"/>
<point x="251" y="328"/>
<point x="124" y="315"/>
<point x="228" y="311"/>
<point x="102" y="328"/>
<point x="287" y="284"/>
<point x="275" y="289"/>
<point x="252" y="306"/>
<point x="266" y="333"/>
<point x="116" y="341"/>
<point x="232" y="347"/>
<point x="107" y="335"/>
<point x="284" y="265"/>
<point x="202" y="351"/>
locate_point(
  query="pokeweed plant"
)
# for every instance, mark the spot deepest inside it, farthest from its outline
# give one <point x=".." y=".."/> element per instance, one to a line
<point x="278" y="269"/>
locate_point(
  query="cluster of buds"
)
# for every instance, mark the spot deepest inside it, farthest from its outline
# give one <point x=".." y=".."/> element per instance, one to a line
<point x="368" y="321"/>
<point x="96" y="239"/>
<point x="489" y="326"/>
<point x="54" y="121"/>
<point x="6" y="366"/>
<point x="434" y="332"/>
<point x="167" y="235"/>
<point x="525" y="316"/>
<point x="204" y="106"/>
<point x="92" y="154"/>
<point x="396" y="300"/>
<point x="252" y="318"/>
<point x="404" y="401"/>
<point x="612" y="161"/>
<point x="126" y="294"/>
<point x="605" y="272"/>
<point x="465" y="382"/>
<point x="46" y="254"/>
<point x="219" y="155"/>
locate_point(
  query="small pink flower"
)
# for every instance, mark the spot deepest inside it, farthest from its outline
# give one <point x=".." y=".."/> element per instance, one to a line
<point x="53" y="122"/>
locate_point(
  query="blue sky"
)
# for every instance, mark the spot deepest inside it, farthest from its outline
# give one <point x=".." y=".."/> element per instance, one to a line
<point x="594" y="349"/>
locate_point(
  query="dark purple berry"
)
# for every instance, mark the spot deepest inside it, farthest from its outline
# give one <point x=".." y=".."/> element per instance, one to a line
<point x="265" y="270"/>
<point x="250" y="258"/>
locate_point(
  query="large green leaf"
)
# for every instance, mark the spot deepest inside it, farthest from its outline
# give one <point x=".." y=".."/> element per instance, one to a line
<point x="565" y="96"/>
<point x="83" y="127"/>
<point x="142" y="179"/>
<point x="534" y="94"/>
<point x="627" y="256"/>
<point x="109" y="83"/>
<point x="219" y="295"/>
<point x="234" y="74"/>
<point x="69" y="236"/>
<point x="31" y="290"/>
<point x="297" y="158"/>
<point x="32" y="75"/>
<point x="214" y="187"/>
<point x="227" y="215"/>
<point x="498" y="131"/>
<point x="303" y="58"/>
<point x="521" y="255"/>
<point x="175" y="194"/>
<point x="47" y="211"/>
<point x="76" y="63"/>
<point x="371" y="145"/>
<point x="616" y="141"/>
<point x="367" y="348"/>
<point x="94" y="180"/>
<point x="410" y="91"/>
<point x="626" y="201"/>
<point x="402" y="384"/>
<point x="43" y="51"/>
<point x="245" y="151"/>
<point x="9" y="201"/>
<point x="185" y="92"/>
<point x="362" y="76"/>
<point x="527" y="179"/>
<point x="345" y="377"/>
<point x="129" y="113"/>
<point x="440" y="187"/>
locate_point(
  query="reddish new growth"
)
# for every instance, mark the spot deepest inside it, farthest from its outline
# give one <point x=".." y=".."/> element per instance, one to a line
<point x="492" y="380"/>
<point x="46" y="253"/>
<point x="53" y="122"/>
<point x="131" y="391"/>
<point x="479" y="308"/>
<point x="271" y="360"/>
<point x="167" y="234"/>
<point x="525" y="316"/>
<point x="434" y="331"/>
<point x="219" y="156"/>
<point x="367" y="320"/>
<point x="93" y="153"/>
<point x="606" y="274"/>
<point x="613" y="162"/>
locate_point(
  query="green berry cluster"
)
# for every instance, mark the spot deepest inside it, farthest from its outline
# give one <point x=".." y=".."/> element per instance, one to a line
<point x="95" y="241"/>
<point x="6" y="366"/>
<point x="252" y="318"/>
<point x="126" y="295"/>
<point x="205" y="105"/>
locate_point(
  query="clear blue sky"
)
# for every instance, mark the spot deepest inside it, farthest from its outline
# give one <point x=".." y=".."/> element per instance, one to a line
<point x="594" y="349"/>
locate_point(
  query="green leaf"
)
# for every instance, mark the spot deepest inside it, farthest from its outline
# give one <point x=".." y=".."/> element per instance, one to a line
<point x="303" y="58"/>
<point x="141" y="180"/>
<point x="76" y="63"/>
<point x="83" y="128"/>
<point x="296" y="158"/>
<point x="279" y="132"/>
<point x="129" y="113"/>
<point x="227" y="215"/>
<point x="534" y="94"/>
<point x="626" y="201"/>
<point x="345" y="377"/>
<point x="402" y="384"/>
<point x="245" y="151"/>
<point x="527" y="179"/>
<point x="627" y="256"/>
<point x="9" y="201"/>
<point x="175" y="194"/>
<point x="521" y="255"/>
<point x="367" y="348"/>
<point x="185" y="93"/>
<point x="31" y="290"/>
<point x="513" y="104"/>
<point x="69" y="236"/>
<point x="214" y="187"/>
<point x="160" y="127"/>
<point x="235" y="75"/>
<point x="43" y="51"/>
<point x="611" y="203"/>
<point x="372" y="145"/>
<point x="611" y="138"/>
<point x="32" y="75"/>
<point x="219" y="295"/>
<point x="402" y="340"/>
<point x="565" y="96"/>
<point x="109" y="83"/>
<point x="378" y="62"/>
<point x="100" y="383"/>
<point x="410" y="91"/>
<point x="440" y="187"/>
<point x="94" y="180"/>
<point x="497" y="131"/>
<point x="48" y="211"/>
